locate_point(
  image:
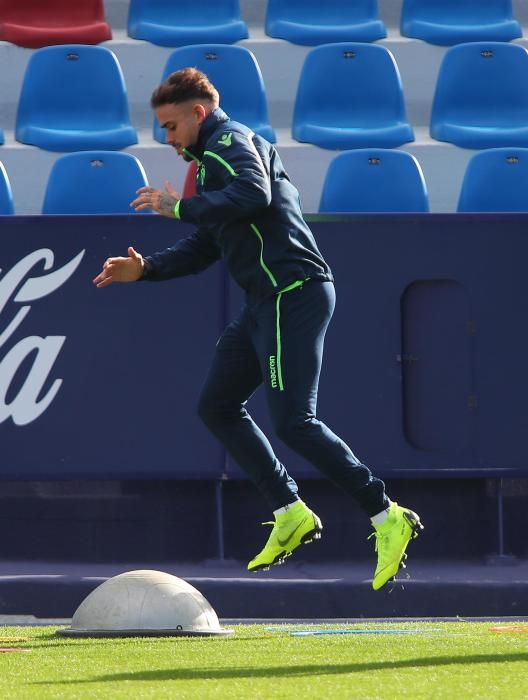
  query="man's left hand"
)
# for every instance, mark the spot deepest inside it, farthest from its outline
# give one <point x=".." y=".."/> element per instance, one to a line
<point x="161" y="201"/>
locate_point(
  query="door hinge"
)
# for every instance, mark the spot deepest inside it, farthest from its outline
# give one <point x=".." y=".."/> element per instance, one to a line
<point x="408" y="358"/>
<point x="472" y="327"/>
<point x="472" y="401"/>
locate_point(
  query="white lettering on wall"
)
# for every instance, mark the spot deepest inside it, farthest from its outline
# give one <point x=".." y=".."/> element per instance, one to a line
<point x="26" y="406"/>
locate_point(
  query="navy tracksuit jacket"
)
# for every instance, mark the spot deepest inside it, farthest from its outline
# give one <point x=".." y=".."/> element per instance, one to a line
<point x="248" y="212"/>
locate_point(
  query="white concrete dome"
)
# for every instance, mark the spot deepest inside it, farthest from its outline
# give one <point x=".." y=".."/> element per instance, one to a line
<point x="139" y="603"/>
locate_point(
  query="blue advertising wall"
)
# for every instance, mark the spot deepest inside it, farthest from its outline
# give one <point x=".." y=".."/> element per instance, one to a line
<point x="425" y="364"/>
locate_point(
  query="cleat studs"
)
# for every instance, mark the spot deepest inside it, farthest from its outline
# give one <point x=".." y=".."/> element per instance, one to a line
<point x="280" y="558"/>
<point x="311" y="536"/>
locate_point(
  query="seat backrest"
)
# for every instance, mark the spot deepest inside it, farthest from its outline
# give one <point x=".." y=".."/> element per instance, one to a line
<point x="352" y="84"/>
<point x="51" y="11"/>
<point x="482" y="82"/>
<point x="183" y="12"/>
<point x="448" y="22"/>
<point x="73" y="86"/>
<point x="317" y="12"/>
<point x="496" y="180"/>
<point x="235" y="73"/>
<point x="6" y="196"/>
<point x="314" y="23"/>
<point x="374" y="180"/>
<point x="453" y="11"/>
<point x="93" y="182"/>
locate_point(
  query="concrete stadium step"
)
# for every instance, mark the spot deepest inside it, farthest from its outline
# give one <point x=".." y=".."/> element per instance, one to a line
<point x="281" y="62"/>
<point x="254" y="11"/>
<point x="443" y="165"/>
<point x="296" y="590"/>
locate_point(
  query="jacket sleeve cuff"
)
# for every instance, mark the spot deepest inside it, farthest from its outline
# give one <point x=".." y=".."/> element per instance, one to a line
<point x="177" y="209"/>
<point x="147" y="269"/>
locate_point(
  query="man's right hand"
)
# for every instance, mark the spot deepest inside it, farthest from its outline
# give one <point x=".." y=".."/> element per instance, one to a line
<point x="121" y="269"/>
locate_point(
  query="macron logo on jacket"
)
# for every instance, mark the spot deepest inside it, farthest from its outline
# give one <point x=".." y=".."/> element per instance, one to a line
<point x="225" y="139"/>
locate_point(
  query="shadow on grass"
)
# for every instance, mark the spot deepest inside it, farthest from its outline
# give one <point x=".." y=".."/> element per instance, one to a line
<point x="42" y="643"/>
<point x="192" y="674"/>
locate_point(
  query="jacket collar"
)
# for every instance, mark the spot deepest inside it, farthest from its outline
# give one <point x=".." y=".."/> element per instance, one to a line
<point x="209" y="125"/>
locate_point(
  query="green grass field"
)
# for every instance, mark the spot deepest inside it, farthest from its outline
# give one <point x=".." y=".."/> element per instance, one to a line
<point x="441" y="660"/>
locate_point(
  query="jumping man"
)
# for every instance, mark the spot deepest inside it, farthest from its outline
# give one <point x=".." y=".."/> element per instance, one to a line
<point x="248" y="212"/>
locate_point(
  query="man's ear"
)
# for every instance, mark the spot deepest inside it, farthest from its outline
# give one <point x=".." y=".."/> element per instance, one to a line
<point x="200" y="112"/>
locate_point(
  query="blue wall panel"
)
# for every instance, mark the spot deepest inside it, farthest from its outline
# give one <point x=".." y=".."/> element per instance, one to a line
<point x="376" y="261"/>
<point x="425" y="366"/>
<point x="131" y="363"/>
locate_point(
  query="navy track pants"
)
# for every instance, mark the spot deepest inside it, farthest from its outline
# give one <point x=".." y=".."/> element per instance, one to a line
<point x="279" y="343"/>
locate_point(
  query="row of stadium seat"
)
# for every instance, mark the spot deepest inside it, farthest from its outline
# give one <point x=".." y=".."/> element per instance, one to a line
<point x="32" y="23"/>
<point x="384" y="181"/>
<point x="349" y="96"/>
<point x="363" y="180"/>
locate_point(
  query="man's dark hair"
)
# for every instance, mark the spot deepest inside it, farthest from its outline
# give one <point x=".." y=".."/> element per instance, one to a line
<point x="183" y="85"/>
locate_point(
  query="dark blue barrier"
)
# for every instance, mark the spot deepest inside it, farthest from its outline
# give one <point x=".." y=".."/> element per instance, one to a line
<point x="130" y="358"/>
<point x="426" y="359"/>
<point x="425" y="369"/>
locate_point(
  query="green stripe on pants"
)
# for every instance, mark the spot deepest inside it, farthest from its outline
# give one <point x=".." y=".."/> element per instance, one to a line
<point x="289" y="288"/>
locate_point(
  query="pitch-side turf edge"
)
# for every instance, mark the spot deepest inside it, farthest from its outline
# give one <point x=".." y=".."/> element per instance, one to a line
<point x="30" y="621"/>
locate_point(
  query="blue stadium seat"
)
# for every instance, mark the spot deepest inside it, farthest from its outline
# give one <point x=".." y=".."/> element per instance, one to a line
<point x="448" y="22"/>
<point x="374" y="180"/>
<point x="74" y="98"/>
<point x="93" y="182"/>
<point x="496" y="180"/>
<point x="481" y="97"/>
<point x="184" y="22"/>
<point x="313" y="22"/>
<point x="235" y="73"/>
<point x="6" y="196"/>
<point x="350" y="96"/>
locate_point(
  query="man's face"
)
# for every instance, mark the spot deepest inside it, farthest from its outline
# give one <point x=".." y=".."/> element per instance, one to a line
<point x="181" y="123"/>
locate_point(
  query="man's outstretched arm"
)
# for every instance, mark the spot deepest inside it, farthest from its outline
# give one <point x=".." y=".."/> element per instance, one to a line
<point x="188" y="256"/>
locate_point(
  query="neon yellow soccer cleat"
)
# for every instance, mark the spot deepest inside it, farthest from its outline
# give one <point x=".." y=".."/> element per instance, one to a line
<point x="392" y="538"/>
<point x="298" y="525"/>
